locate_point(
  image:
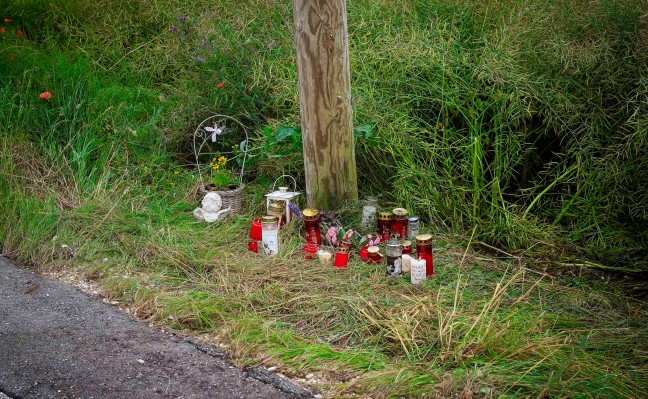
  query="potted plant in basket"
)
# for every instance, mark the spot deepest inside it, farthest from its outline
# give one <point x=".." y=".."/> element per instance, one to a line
<point x="219" y="141"/>
<point x="222" y="178"/>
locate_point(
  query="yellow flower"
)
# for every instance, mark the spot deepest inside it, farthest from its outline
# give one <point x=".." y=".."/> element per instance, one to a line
<point x="222" y="160"/>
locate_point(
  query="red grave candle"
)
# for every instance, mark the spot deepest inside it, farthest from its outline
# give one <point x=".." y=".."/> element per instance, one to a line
<point x="374" y="255"/>
<point x="341" y="257"/>
<point x="311" y="225"/>
<point x="424" y="251"/>
<point x="256" y="230"/>
<point x="384" y="225"/>
<point x="399" y="223"/>
<point x="310" y="250"/>
<point x="407" y="247"/>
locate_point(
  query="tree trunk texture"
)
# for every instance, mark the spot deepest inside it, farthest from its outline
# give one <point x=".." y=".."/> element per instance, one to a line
<point x="325" y="102"/>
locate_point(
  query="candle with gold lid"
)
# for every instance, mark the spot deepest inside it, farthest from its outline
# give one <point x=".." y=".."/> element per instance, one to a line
<point x="384" y="225"/>
<point x="311" y="225"/>
<point x="424" y="251"/>
<point x="277" y="210"/>
<point x="341" y="256"/>
<point x="407" y="247"/>
<point x="399" y="223"/>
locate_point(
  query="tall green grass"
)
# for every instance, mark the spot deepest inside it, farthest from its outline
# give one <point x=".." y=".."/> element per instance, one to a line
<point x="518" y="118"/>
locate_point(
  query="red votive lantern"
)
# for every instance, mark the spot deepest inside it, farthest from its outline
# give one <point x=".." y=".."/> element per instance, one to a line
<point x="424" y="251"/>
<point x="399" y="223"/>
<point x="345" y="243"/>
<point x="407" y="247"/>
<point x="256" y="230"/>
<point x="310" y="250"/>
<point x="311" y="225"/>
<point x="384" y="225"/>
<point x="374" y="255"/>
<point x="364" y="254"/>
<point x="341" y="257"/>
<point x="253" y="246"/>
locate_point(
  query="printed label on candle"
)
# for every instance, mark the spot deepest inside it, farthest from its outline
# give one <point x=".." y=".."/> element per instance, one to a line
<point x="418" y="271"/>
<point x="271" y="242"/>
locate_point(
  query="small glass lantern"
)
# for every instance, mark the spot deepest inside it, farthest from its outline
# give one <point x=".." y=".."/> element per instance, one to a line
<point x="283" y="197"/>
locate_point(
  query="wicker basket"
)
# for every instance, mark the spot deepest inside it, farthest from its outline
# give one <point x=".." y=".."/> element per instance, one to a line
<point x="231" y="198"/>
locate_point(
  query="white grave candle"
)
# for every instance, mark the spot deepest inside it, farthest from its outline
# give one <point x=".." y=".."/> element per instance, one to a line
<point x="418" y="271"/>
<point x="407" y="263"/>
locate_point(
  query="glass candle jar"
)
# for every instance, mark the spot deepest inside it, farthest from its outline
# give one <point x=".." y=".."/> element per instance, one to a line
<point x="407" y="263"/>
<point x="374" y="255"/>
<point x="275" y="209"/>
<point x="311" y="225"/>
<point x="270" y="235"/>
<point x="412" y="227"/>
<point x="399" y="223"/>
<point x="394" y="253"/>
<point x="407" y="247"/>
<point x="369" y="211"/>
<point x="341" y="256"/>
<point x="384" y="225"/>
<point x="424" y="251"/>
<point x="324" y="257"/>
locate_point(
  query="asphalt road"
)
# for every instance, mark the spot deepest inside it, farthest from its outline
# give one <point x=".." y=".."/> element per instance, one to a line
<point x="58" y="342"/>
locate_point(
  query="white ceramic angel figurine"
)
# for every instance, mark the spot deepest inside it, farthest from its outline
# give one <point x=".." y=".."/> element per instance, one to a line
<point x="211" y="209"/>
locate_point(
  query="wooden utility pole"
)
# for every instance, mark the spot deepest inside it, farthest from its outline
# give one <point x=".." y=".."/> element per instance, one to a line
<point x="325" y="101"/>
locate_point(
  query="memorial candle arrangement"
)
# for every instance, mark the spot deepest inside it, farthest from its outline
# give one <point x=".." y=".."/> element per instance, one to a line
<point x="396" y="231"/>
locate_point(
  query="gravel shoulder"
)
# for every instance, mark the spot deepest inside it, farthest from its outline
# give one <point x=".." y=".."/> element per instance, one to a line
<point x="58" y="342"/>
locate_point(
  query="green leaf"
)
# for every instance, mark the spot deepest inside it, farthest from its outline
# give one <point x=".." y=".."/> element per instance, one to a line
<point x="364" y="131"/>
<point x="284" y="133"/>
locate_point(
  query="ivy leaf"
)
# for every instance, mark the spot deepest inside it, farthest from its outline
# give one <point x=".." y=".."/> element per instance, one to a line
<point x="364" y="131"/>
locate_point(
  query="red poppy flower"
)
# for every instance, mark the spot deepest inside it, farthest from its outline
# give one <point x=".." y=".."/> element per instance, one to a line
<point x="221" y="84"/>
<point x="19" y="33"/>
<point x="2" y="30"/>
<point x="8" y="20"/>
<point x="45" y="95"/>
<point x="11" y="57"/>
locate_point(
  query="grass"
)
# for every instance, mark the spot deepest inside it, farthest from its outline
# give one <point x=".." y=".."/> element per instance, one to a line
<point x="516" y="130"/>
